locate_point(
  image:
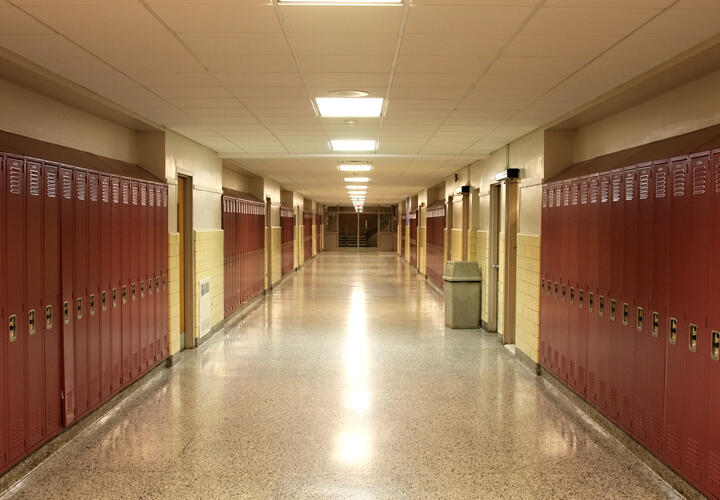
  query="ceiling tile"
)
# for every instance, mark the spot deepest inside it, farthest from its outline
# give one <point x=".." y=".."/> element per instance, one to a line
<point x="218" y="18"/>
<point x="347" y="80"/>
<point x="16" y="22"/>
<point x="156" y="80"/>
<point x="525" y="66"/>
<point x="452" y="44"/>
<point x="464" y="80"/>
<point x="512" y="82"/>
<point x="482" y="93"/>
<point x="209" y="102"/>
<point x="683" y="23"/>
<point x="427" y="93"/>
<point x="341" y="18"/>
<point x="251" y="63"/>
<point x="192" y="92"/>
<point x="346" y="64"/>
<point x="559" y="46"/>
<point x="466" y="19"/>
<point x="442" y="64"/>
<point x="268" y="92"/>
<point x="379" y="44"/>
<point x="587" y="21"/>
<point x="422" y="103"/>
<point x="290" y="79"/>
<point x="253" y="102"/>
<point x="236" y="43"/>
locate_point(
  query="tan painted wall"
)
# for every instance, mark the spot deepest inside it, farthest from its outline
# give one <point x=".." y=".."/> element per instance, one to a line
<point x="209" y="248"/>
<point x="527" y="333"/>
<point x="174" y="292"/>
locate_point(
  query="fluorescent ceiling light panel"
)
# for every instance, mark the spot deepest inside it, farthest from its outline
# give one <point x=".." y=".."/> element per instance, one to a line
<point x="355" y="167"/>
<point x="355" y="187"/>
<point x="343" y="2"/>
<point x="357" y="179"/>
<point x="353" y="145"/>
<point x="349" y="107"/>
<point x="356" y="193"/>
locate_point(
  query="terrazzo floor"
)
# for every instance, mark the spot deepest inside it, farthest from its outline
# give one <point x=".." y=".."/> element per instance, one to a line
<point x="344" y="383"/>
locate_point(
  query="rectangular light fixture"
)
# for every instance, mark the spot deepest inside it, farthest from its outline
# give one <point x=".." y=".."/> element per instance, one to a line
<point x="353" y="145"/>
<point x="355" y="167"/>
<point x="357" y="179"/>
<point x="356" y="187"/>
<point x="356" y="193"/>
<point x="344" y="2"/>
<point x="349" y="107"/>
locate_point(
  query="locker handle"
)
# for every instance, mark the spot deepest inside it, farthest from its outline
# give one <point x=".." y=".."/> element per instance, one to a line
<point x="715" y="346"/>
<point x="12" y="327"/>
<point x="581" y="296"/>
<point x="48" y="317"/>
<point x="142" y="289"/>
<point x="79" y="308"/>
<point x="549" y="288"/>
<point x="556" y="289"/>
<point x="133" y="292"/>
<point x="31" y="321"/>
<point x="164" y="281"/>
<point x="66" y="312"/>
<point x="150" y="286"/>
<point x="612" y="309"/>
<point x="626" y="314"/>
<point x="92" y="304"/>
<point x="656" y="324"/>
<point x="542" y="285"/>
<point x="124" y="294"/>
<point x="639" y="319"/>
<point x="572" y="295"/>
<point x="103" y="300"/>
<point x="114" y="297"/>
<point x="591" y="301"/>
<point x="673" y="331"/>
<point x="693" y="337"/>
<point x="157" y="284"/>
<point x="601" y="306"/>
<point x="563" y="293"/>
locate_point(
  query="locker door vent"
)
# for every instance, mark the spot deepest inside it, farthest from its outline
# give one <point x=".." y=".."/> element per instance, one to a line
<point x="34" y="184"/>
<point x="134" y="194"/>
<point x="629" y="187"/>
<point x="714" y="467"/>
<point x="566" y="195"/>
<point x="574" y="194"/>
<point x="158" y="197"/>
<point x="67" y="185"/>
<point x="165" y="198"/>
<point x="692" y="453"/>
<point x="717" y="177"/>
<point x="660" y="183"/>
<point x="15" y="179"/>
<point x="93" y="188"/>
<point x="616" y="184"/>
<point x="116" y="191"/>
<point x="50" y="183"/>
<point x="105" y="189"/>
<point x="81" y="186"/>
<point x="679" y="182"/>
<point x="584" y="192"/>
<point x="143" y="195"/>
<point x="593" y="190"/>
<point x="699" y="178"/>
<point x="431" y="213"/>
<point x="644" y="185"/>
<point x="551" y="197"/>
<point x="655" y="429"/>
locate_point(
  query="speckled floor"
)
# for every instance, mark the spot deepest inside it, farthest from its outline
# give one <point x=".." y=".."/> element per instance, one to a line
<point x="344" y="383"/>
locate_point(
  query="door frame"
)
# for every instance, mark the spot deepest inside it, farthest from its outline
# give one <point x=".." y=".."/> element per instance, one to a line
<point x="188" y="262"/>
<point x="493" y="257"/>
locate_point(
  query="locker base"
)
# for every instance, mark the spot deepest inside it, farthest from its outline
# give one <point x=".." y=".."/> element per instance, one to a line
<point x="18" y="471"/>
<point x="646" y="456"/>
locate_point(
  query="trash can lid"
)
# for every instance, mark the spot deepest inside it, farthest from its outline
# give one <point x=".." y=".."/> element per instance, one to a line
<point x="462" y="270"/>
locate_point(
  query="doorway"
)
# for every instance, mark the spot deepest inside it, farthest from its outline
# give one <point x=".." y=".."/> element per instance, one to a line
<point x="348" y="230"/>
<point x="185" y="224"/>
<point x="493" y="258"/>
<point x="368" y="224"/>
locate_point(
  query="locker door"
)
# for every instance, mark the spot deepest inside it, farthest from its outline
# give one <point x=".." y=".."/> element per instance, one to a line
<point x="712" y="478"/>
<point x="581" y="286"/>
<point x="590" y="220"/>
<point x="80" y="284"/>
<point x="645" y="369"/>
<point x="164" y="316"/>
<point x="50" y="317"/>
<point x="127" y="280"/>
<point x="67" y="258"/>
<point x="33" y="303"/>
<point x="149" y="288"/>
<point x="16" y="325"/>
<point x="104" y="300"/>
<point x="135" y="362"/>
<point x="159" y="354"/>
<point x="142" y="276"/>
<point x="626" y="299"/>
<point x="564" y="291"/>
<point x="226" y="254"/>
<point x="544" y="254"/>
<point x="93" y="291"/>
<point x="658" y="325"/>
<point x="602" y="300"/>
<point x="116" y="283"/>
<point x="577" y="339"/>
<point x="4" y="319"/>
<point x="613" y="301"/>
<point x="558" y="313"/>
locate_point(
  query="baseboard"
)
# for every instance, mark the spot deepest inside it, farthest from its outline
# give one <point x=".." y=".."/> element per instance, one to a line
<point x="216" y="328"/>
<point x="525" y="360"/>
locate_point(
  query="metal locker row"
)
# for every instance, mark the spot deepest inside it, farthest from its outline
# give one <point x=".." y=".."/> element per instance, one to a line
<point x="413" y="238"/>
<point x="307" y="233"/>
<point x="244" y="246"/>
<point x="627" y="318"/>
<point x="287" y="238"/>
<point x="435" y="242"/>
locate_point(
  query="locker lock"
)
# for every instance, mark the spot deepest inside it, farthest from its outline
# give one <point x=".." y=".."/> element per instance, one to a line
<point x="693" y="338"/>
<point x="142" y="289"/>
<point x="31" y="322"/>
<point x="92" y="304"/>
<point x="613" y="309"/>
<point x="591" y="301"/>
<point x="556" y="289"/>
<point x="150" y="286"/>
<point x="542" y="285"/>
<point x="79" y="308"/>
<point x="673" y="331"/>
<point x="549" y="288"/>
<point x="601" y="306"/>
<point x="103" y="300"/>
<point x="12" y="327"/>
<point x="572" y="295"/>
<point x="133" y="292"/>
<point x="164" y="281"/>
<point x="715" y="346"/>
<point x="581" y="296"/>
<point x="124" y="294"/>
<point x="114" y="297"/>
<point x="563" y="293"/>
<point x="48" y="317"/>
<point x="626" y="314"/>
<point x="157" y="284"/>
<point x="639" y="319"/>
<point x="66" y="312"/>
<point x="656" y="324"/>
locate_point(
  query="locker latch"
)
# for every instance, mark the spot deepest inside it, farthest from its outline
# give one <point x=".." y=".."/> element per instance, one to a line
<point x="639" y="319"/>
<point x="612" y="309"/>
<point x="48" y="317"/>
<point x="133" y="292"/>
<point x="79" y="308"/>
<point x="673" y="331"/>
<point x="124" y="294"/>
<point x="549" y="288"/>
<point x="164" y="281"/>
<point x="693" y="339"/>
<point x="656" y="324"/>
<point x="563" y="293"/>
<point x="581" y="297"/>
<point x="12" y="327"/>
<point x="556" y="289"/>
<point x="66" y="312"/>
<point x="591" y="301"/>
<point x="601" y="306"/>
<point x="31" y="322"/>
<point x="542" y="285"/>
<point x="142" y="289"/>
<point x="572" y="295"/>
<point x="103" y="300"/>
<point x="92" y="304"/>
<point x="626" y="313"/>
<point x="114" y="297"/>
<point x="157" y="284"/>
<point x="150" y="286"/>
<point x="715" y="346"/>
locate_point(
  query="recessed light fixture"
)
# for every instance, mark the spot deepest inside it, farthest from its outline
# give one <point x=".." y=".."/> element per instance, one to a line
<point x="349" y="106"/>
<point x="360" y="193"/>
<point x="346" y="2"/>
<point x="355" y="167"/>
<point x="356" y="187"/>
<point x="357" y="179"/>
<point x="353" y="145"/>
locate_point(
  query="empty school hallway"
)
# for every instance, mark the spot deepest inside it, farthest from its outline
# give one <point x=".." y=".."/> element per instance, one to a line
<point x="344" y="383"/>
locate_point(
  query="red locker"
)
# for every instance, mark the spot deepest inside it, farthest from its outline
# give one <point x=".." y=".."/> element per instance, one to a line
<point x="413" y="239"/>
<point x="15" y="246"/>
<point x="103" y="302"/>
<point x="712" y="358"/>
<point x="560" y="358"/>
<point x="577" y="336"/>
<point x="544" y="256"/>
<point x="33" y="303"/>
<point x="319" y="232"/>
<point x="4" y="318"/>
<point x="151" y="232"/>
<point x="67" y="257"/>
<point x="595" y="322"/>
<point x="116" y="284"/>
<point x="135" y="349"/>
<point x="558" y="331"/>
<point x="158" y="272"/>
<point x="613" y="301"/>
<point x="164" y="262"/>
<point x="80" y="285"/>
<point x="51" y="315"/>
<point x="645" y="366"/>
<point x="127" y="280"/>
<point x="142" y="242"/>
<point x="92" y="294"/>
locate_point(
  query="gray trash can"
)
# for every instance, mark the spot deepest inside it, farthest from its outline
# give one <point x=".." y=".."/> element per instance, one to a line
<point x="462" y="294"/>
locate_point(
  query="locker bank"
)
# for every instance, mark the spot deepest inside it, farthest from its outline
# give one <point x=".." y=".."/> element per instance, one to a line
<point x="225" y="231"/>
